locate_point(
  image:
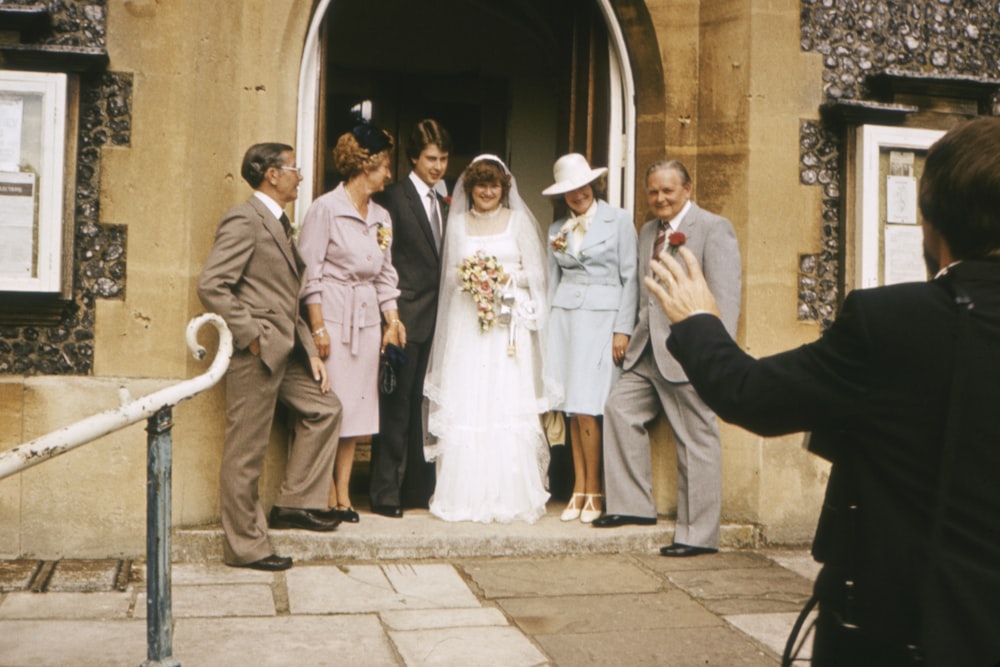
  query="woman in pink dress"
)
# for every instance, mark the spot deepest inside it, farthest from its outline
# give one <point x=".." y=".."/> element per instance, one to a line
<point x="351" y="287"/>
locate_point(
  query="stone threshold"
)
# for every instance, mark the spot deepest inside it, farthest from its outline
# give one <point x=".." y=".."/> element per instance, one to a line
<point x="419" y="535"/>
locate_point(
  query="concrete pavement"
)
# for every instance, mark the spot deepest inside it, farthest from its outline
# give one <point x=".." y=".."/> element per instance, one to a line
<point x="464" y="594"/>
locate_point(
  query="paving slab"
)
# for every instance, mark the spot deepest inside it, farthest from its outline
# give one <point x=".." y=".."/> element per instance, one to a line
<point x="69" y="606"/>
<point x="82" y="643"/>
<point x="423" y="619"/>
<point x="724" y="560"/>
<point x="368" y="588"/>
<point x="439" y="585"/>
<point x="84" y="576"/>
<point x="799" y="561"/>
<point x="467" y="647"/>
<point x="607" y="613"/>
<point x="745" y="591"/>
<point x="513" y="577"/>
<point x="213" y="600"/>
<point x="718" y="646"/>
<point x="772" y="630"/>
<point x="217" y="573"/>
<point x="283" y="641"/>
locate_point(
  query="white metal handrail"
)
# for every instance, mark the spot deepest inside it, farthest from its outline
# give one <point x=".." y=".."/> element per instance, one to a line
<point x="69" y="437"/>
<point x="157" y="410"/>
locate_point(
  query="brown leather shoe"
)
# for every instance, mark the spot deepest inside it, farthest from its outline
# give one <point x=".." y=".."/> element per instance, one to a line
<point x="272" y="563"/>
<point x="302" y="519"/>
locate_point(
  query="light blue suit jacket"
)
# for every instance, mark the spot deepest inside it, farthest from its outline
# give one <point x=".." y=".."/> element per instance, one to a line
<point x="603" y="274"/>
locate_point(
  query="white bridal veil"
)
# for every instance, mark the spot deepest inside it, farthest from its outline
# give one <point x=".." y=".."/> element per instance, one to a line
<point x="531" y="274"/>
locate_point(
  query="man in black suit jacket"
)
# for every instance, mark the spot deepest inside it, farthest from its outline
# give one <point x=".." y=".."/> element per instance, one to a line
<point x="901" y="394"/>
<point x="399" y="474"/>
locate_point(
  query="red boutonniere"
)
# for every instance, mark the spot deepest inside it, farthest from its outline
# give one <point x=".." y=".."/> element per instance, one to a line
<point x="676" y="240"/>
<point x="447" y="200"/>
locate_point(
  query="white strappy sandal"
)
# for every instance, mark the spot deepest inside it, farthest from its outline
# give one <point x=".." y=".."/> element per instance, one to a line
<point x="572" y="512"/>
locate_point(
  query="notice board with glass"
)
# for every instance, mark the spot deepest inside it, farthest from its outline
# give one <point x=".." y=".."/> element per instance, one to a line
<point x="888" y="240"/>
<point x="32" y="159"/>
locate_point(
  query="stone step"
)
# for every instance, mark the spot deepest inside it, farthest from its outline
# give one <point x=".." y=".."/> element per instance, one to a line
<point x="419" y="535"/>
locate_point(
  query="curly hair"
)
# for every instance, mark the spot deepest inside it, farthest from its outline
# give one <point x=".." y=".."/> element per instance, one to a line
<point x="350" y="159"/>
<point x="486" y="171"/>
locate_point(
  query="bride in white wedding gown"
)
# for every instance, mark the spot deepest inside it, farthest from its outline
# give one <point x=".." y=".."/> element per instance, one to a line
<point x="485" y="380"/>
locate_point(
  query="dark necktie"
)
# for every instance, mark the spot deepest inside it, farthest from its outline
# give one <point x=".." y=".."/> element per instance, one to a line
<point x="661" y="239"/>
<point x="287" y="224"/>
<point x="435" y="219"/>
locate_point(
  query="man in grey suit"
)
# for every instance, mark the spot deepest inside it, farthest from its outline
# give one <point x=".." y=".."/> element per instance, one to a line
<point x="653" y="381"/>
<point x="252" y="278"/>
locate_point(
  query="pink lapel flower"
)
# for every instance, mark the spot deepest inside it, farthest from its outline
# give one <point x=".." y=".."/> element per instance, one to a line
<point x="558" y="242"/>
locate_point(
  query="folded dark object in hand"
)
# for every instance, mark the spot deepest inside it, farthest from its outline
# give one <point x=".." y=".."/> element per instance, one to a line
<point x="395" y="355"/>
<point x="392" y="358"/>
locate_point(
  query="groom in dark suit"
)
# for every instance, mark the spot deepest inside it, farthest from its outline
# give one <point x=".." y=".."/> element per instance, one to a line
<point x="901" y="394"/>
<point x="252" y="278"/>
<point x="654" y="383"/>
<point x="399" y="474"/>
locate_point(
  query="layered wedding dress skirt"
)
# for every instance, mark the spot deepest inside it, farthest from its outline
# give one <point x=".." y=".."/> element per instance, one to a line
<point x="491" y="453"/>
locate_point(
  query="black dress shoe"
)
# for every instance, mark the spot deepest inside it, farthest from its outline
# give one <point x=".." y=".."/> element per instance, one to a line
<point x="346" y="514"/>
<point x="615" y="520"/>
<point x="678" y="550"/>
<point x="391" y="511"/>
<point x="294" y="517"/>
<point x="272" y="563"/>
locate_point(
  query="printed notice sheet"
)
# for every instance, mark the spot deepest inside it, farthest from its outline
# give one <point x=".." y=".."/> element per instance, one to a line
<point x="17" y="224"/>
<point x="904" y="254"/>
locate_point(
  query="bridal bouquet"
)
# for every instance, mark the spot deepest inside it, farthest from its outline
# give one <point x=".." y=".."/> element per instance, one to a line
<point x="481" y="276"/>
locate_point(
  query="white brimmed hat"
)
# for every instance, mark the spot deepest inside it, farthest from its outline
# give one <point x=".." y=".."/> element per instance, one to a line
<point x="572" y="171"/>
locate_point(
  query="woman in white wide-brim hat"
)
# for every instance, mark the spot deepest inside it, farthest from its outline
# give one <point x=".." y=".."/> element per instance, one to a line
<point x="593" y="291"/>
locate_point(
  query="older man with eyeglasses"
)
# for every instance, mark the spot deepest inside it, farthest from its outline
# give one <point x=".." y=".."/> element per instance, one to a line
<point x="252" y="278"/>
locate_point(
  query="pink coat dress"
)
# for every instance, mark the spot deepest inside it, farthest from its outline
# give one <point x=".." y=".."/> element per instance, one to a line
<point x="352" y="277"/>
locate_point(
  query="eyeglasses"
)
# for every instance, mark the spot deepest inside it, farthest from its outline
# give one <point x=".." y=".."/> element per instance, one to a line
<point x="297" y="170"/>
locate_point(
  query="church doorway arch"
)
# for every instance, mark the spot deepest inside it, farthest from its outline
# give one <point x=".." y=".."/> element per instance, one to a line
<point x="526" y="80"/>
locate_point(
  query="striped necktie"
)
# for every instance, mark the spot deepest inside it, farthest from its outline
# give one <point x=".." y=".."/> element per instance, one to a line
<point x="661" y="239"/>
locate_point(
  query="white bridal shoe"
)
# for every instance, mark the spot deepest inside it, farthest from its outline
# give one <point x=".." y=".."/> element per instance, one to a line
<point x="572" y="512"/>
<point x="591" y="509"/>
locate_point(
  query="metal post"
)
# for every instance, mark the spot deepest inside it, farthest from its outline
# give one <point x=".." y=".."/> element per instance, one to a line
<point x="159" y="622"/>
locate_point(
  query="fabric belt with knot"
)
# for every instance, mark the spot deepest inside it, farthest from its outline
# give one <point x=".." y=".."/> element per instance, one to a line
<point x="351" y="314"/>
<point x="589" y="280"/>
